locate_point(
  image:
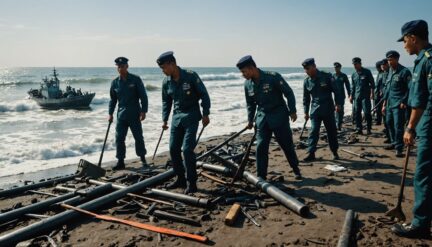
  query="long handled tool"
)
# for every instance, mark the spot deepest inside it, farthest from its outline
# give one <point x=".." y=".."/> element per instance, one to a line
<point x="397" y="213"/>
<point x="301" y="144"/>
<point x="222" y="144"/>
<point x="88" y="169"/>
<point x="359" y="155"/>
<point x="244" y="160"/>
<point x="148" y="227"/>
<point x="157" y="146"/>
<point x="199" y="136"/>
<point x="303" y="129"/>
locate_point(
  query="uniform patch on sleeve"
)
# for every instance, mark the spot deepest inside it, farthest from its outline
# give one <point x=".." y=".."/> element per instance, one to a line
<point x="427" y="54"/>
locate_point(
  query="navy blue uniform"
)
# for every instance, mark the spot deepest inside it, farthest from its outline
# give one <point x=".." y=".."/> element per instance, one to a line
<point x="128" y="94"/>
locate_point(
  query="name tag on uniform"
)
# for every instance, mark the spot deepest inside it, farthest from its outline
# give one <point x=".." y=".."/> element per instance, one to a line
<point x="186" y="86"/>
<point x="362" y="77"/>
<point x="323" y="84"/>
<point x="131" y="85"/>
<point x="396" y="77"/>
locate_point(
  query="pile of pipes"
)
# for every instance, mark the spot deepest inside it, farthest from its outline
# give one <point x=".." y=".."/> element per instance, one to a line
<point x="141" y="194"/>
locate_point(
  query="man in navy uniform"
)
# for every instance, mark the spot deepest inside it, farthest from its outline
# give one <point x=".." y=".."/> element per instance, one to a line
<point x="384" y="74"/>
<point x="341" y="83"/>
<point x="319" y="87"/>
<point x="264" y="93"/>
<point x="362" y="88"/>
<point x="395" y="101"/>
<point x="183" y="89"/>
<point x="128" y="90"/>
<point x="415" y="35"/>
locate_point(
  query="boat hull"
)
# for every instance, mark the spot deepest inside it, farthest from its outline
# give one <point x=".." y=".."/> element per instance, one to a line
<point x="75" y="102"/>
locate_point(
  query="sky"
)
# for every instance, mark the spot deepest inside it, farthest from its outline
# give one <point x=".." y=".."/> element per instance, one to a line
<point x="203" y="33"/>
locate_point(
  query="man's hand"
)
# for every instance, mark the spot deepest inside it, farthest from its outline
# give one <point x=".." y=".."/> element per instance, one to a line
<point x="383" y="109"/>
<point x="293" y="116"/>
<point x="402" y="106"/>
<point x="110" y="118"/>
<point x="306" y="117"/>
<point x="351" y="99"/>
<point x="250" y="125"/>
<point x="142" y="116"/>
<point x="205" y="121"/>
<point x="338" y="108"/>
<point x="372" y="95"/>
<point x="165" y="126"/>
<point x="409" y="138"/>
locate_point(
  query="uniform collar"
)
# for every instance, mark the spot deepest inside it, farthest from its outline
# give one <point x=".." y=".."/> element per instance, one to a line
<point x="398" y="69"/>
<point x="422" y="53"/>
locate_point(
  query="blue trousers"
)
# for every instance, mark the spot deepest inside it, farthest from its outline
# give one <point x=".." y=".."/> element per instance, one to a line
<point x="330" y="125"/>
<point x="183" y="139"/>
<point x="283" y="136"/>
<point x="121" y="132"/>
<point x="339" y="116"/>
<point x="423" y="183"/>
<point x="365" y="106"/>
<point x="395" y="118"/>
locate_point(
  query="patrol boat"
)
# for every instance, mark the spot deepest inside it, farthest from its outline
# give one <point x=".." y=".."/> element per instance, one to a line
<point x="50" y="96"/>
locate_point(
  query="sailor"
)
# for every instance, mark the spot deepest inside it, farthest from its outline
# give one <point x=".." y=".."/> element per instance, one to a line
<point x="317" y="91"/>
<point x="129" y="92"/>
<point x="264" y="92"/>
<point x="415" y="36"/>
<point x="363" y="85"/>
<point x="341" y="83"/>
<point x="183" y="89"/>
<point x="378" y="92"/>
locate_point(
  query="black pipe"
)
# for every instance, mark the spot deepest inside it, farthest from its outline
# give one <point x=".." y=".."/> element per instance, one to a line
<point x="191" y="200"/>
<point x="43" y="205"/>
<point x="46" y="225"/>
<point x="277" y="194"/>
<point x="18" y="190"/>
<point x="87" y="194"/>
<point x="175" y="217"/>
<point x="221" y="145"/>
<point x="345" y="236"/>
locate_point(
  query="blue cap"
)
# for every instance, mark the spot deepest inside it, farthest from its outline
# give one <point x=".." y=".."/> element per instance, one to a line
<point x="121" y="61"/>
<point x="165" y="57"/>
<point x="384" y="61"/>
<point x="337" y="65"/>
<point x="378" y="64"/>
<point x="245" y="61"/>
<point x="417" y="27"/>
<point x="356" y="60"/>
<point x="308" y="61"/>
<point x="392" y="53"/>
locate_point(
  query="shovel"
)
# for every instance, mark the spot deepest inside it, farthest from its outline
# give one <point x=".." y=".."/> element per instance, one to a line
<point x="397" y="213"/>
<point x="301" y="144"/>
<point x="88" y="169"/>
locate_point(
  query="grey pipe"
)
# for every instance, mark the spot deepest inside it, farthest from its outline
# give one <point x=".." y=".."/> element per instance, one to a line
<point x="277" y="194"/>
<point x="45" y="225"/>
<point x="18" y="190"/>
<point x="191" y="200"/>
<point x="344" y="238"/>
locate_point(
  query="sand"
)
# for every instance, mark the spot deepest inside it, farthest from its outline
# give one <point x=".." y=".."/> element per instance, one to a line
<point x="370" y="189"/>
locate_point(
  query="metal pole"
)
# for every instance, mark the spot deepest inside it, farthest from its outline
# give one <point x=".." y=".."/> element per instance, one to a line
<point x="191" y="200"/>
<point x="53" y="222"/>
<point x="18" y="190"/>
<point x="344" y="239"/>
<point x="277" y="194"/>
<point x="221" y="145"/>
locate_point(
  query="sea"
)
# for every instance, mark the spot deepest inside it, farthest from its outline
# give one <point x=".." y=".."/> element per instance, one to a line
<point x="34" y="139"/>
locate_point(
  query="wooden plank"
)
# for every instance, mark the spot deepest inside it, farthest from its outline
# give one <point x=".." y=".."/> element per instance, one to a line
<point x="232" y="214"/>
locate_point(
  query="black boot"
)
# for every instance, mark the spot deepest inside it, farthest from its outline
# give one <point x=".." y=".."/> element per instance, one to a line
<point x="335" y="156"/>
<point x="180" y="182"/>
<point x="359" y="132"/>
<point x="310" y="157"/>
<point x="387" y="141"/>
<point x="120" y="165"/>
<point x="369" y="132"/>
<point x="399" y="154"/>
<point x="144" y="161"/>
<point x="410" y="231"/>
<point x="389" y="147"/>
<point x="191" y="188"/>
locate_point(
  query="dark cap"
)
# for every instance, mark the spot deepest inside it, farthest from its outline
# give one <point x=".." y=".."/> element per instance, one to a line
<point x="392" y="53"/>
<point x="337" y="65"/>
<point x="308" y="61"/>
<point x="378" y="64"/>
<point x="165" y="57"/>
<point x="245" y="61"/>
<point x="417" y="27"/>
<point x="121" y="61"/>
<point x="356" y="60"/>
<point x="384" y="61"/>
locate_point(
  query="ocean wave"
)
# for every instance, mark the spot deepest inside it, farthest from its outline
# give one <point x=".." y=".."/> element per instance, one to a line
<point x="88" y="80"/>
<point x="221" y="77"/>
<point x="14" y="83"/>
<point x="291" y="76"/>
<point x="17" y="107"/>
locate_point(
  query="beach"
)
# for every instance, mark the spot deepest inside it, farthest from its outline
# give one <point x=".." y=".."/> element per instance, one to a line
<point x="369" y="189"/>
